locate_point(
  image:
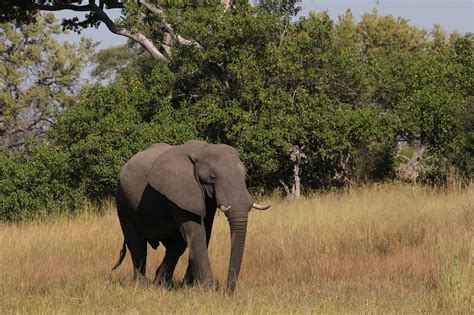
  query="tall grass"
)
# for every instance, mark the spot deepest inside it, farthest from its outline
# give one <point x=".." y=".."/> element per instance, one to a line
<point x="387" y="249"/>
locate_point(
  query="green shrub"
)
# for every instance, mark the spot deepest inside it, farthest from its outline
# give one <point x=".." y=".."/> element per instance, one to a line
<point x="36" y="183"/>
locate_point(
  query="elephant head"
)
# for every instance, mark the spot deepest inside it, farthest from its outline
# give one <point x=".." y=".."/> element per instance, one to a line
<point x="194" y="171"/>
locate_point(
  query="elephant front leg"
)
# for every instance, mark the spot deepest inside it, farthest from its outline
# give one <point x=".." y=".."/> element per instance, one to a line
<point x="189" y="276"/>
<point x="208" y="222"/>
<point x="195" y="236"/>
<point x="164" y="273"/>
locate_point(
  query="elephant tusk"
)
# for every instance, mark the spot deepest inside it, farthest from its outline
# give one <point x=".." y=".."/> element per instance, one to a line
<point x="260" y="207"/>
<point x="224" y="209"/>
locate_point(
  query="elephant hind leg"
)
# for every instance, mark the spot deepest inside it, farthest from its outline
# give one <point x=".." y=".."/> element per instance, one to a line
<point x="139" y="260"/>
<point x="174" y="250"/>
<point x="137" y="247"/>
<point x="134" y="240"/>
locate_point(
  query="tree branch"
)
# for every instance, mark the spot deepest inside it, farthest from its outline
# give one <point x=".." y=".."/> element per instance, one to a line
<point x="138" y="37"/>
<point x="287" y="189"/>
<point x="167" y="27"/>
<point x="180" y="39"/>
<point x="151" y="7"/>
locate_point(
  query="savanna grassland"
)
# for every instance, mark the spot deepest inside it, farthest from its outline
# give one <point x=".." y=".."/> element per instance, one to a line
<point x="385" y="249"/>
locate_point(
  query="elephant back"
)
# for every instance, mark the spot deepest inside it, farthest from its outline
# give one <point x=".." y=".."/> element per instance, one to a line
<point x="134" y="174"/>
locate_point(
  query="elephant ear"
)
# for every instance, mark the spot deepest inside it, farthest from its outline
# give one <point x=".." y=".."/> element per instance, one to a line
<point x="172" y="174"/>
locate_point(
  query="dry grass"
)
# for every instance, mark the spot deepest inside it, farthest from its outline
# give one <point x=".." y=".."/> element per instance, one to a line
<point x="387" y="249"/>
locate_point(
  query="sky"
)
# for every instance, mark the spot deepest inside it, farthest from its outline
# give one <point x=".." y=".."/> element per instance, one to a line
<point x="453" y="15"/>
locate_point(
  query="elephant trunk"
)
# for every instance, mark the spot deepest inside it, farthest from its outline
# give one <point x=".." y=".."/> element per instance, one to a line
<point x="238" y="230"/>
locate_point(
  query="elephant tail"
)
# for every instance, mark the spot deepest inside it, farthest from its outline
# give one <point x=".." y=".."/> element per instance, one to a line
<point x="123" y="251"/>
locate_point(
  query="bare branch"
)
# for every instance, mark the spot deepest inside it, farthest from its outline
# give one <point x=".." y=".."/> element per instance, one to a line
<point x="151" y="7"/>
<point x="17" y="130"/>
<point x="406" y="158"/>
<point x="187" y="42"/>
<point x="167" y="43"/>
<point x="409" y="170"/>
<point x="16" y="145"/>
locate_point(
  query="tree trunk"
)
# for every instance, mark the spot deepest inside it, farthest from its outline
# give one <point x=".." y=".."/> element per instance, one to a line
<point x="296" y="189"/>
<point x="296" y="156"/>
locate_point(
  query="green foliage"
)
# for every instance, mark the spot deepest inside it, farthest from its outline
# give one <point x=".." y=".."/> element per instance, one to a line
<point x="15" y="10"/>
<point x="110" y="124"/>
<point x="290" y="7"/>
<point x="111" y="60"/>
<point x="345" y="92"/>
<point x="38" y="77"/>
<point x="265" y="85"/>
<point x="37" y="183"/>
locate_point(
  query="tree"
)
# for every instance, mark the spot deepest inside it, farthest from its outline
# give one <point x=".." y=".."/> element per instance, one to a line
<point x="290" y="7"/>
<point x="313" y="101"/>
<point x="422" y="79"/>
<point x="38" y="78"/>
<point x="109" y="61"/>
<point x="111" y="123"/>
<point x="37" y="183"/>
<point x="145" y="22"/>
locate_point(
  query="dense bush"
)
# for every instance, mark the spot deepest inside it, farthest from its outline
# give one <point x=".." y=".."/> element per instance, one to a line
<point x="37" y="182"/>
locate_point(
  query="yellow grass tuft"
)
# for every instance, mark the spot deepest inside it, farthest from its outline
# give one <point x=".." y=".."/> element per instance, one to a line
<point x="391" y="249"/>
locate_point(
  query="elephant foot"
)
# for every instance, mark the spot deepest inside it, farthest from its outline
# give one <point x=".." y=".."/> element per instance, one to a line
<point x="171" y="285"/>
<point x="212" y="285"/>
<point x="140" y="279"/>
<point x="188" y="282"/>
<point x="215" y="285"/>
<point x="165" y="283"/>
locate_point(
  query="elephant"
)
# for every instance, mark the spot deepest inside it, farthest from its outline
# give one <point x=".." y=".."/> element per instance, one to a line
<point x="169" y="195"/>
